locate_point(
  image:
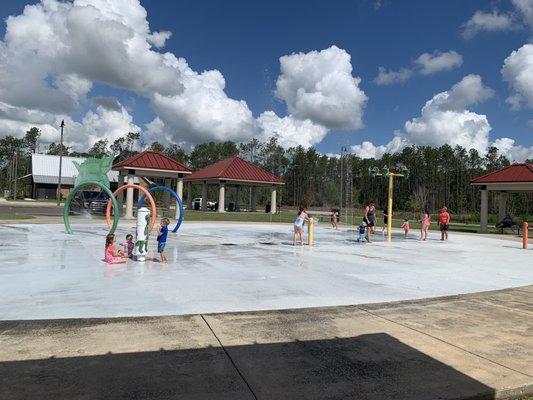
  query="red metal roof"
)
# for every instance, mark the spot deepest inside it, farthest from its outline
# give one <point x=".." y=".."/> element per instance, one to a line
<point x="152" y="160"/>
<point x="515" y="173"/>
<point x="234" y="168"/>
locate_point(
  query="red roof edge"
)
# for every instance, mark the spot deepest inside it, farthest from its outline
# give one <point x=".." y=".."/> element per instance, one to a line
<point x="129" y="161"/>
<point x="482" y="178"/>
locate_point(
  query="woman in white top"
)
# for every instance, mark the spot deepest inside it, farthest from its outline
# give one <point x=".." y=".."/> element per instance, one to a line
<point x="299" y="226"/>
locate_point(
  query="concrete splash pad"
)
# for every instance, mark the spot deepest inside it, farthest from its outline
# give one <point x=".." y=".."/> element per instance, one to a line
<point x="219" y="267"/>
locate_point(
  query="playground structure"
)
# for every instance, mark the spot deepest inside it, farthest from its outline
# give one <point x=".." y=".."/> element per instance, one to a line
<point x="400" y="171"/>
<point x="93" y="172"/>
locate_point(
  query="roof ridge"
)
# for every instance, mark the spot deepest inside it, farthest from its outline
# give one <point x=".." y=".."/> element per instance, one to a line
<point x="493" y="172"/>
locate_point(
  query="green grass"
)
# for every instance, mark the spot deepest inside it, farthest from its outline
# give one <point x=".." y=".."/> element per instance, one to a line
<point x="15" y="216"/>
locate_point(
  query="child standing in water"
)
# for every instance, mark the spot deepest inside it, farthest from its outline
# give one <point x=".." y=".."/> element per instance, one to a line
<point x="162" y="234"/>
<point x="405" y="227"/>
<point x="426" y="222"/>
<point x="299" y="226"/>
<point x="362" y="232"/>
<point x="112" y="255"/>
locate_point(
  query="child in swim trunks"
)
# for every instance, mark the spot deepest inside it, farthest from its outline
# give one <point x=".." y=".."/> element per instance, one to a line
<point x="362" y="232"/>
<point x="162" y="234"/>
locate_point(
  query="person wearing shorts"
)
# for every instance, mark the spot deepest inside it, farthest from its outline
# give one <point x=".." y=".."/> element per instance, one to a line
<point x="444" y="223"/>
<point x="370" y="217"/>
<point x="162" y="234"/>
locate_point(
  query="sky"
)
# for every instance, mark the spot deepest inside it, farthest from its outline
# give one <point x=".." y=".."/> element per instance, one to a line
<point x="373" y="76"/>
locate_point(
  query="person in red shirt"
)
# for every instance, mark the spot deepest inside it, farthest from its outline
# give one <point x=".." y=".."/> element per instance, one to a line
<point x="444" y="223"/>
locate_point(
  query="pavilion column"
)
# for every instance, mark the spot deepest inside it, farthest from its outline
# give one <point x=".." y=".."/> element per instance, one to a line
<point x="237" y="197"/>
<point x="273" y="201"/>
<point x="253" y="201"/>
<point x="120" y="196"/>
<point x="221" y="197"/>
<point x="484" y="211"/>
<point x="502" y="205"/>
<point x="179" y="192"/>
<point x="204" y="196"/>
<point x="189" y="195"/>
<point x="129" y="199"/>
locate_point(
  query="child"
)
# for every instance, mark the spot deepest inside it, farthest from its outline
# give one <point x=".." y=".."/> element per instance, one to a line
<point x="129" y="245"/>
<point x="405" y="227"/>
<point x="385" y="221"/>
<point x="362" y="232"/>
<point x="299" y="226"/>
<point x="112" y="255"/>
<point x="162" y="233"/>
<point x="334" y="217"/>
<point x="444" y="223"/>
<point x="426" y="222"/>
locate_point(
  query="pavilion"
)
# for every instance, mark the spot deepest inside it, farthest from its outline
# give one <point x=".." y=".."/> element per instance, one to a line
<point x="514" y="178"/>
<point x="150" y="164"/>
<point x="233" y="171"/>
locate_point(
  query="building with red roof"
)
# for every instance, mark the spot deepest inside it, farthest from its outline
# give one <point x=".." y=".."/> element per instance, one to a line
<point x="513" y="178"/>
<point x="236" y="172"/>
<point x="151" y="164"/>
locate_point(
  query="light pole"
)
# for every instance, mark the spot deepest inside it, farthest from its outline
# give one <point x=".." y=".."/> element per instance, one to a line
<point x="343" y="151"/>
<point x="385" y="172"/>
<point x="60" y="164"/>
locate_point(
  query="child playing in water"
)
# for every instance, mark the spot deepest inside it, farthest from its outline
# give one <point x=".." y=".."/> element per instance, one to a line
<point x="426" y="222"/>
<point x="128" y="245"/>
<point x="362" y="232"/>
<point x="334" y="217"/>
<point x="299" y="226"/>
<point x="405" y="227"/>
<point x="112" y="255"/>
<point x="162" y="233"/>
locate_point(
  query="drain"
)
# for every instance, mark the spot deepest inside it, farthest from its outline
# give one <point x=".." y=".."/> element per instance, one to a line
<point x="228" y="244"/>
<point x="268" y="243"/>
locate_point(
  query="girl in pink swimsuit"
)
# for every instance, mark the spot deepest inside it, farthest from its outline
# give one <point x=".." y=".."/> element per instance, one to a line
<point x="112" y="255"/>
<point x="426" y="222"/>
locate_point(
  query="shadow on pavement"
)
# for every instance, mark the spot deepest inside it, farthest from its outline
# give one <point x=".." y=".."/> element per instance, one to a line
<point x="373" y="366"/>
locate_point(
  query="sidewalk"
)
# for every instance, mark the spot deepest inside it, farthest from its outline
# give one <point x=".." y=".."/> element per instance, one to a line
<point x="469" y="346"/>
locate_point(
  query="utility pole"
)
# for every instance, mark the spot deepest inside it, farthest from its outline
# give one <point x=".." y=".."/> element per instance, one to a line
<point x="60" y="164"/>
<point x="343" y="150"/>
<point x="15" y="174"/>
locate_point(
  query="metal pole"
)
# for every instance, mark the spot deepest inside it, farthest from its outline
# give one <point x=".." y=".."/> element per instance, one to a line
<point x="389" y="211"/>
<point x="340" y="202"/>
<point x="60" y="164"/>
<point x="15" y="174"/>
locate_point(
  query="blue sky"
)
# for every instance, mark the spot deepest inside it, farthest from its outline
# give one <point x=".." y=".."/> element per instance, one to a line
<point x="245" y="39"/>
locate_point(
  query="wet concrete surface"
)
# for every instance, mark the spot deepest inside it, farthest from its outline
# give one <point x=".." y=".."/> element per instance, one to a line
<point x="221" y="267"/>
<point x="422" y="349"/>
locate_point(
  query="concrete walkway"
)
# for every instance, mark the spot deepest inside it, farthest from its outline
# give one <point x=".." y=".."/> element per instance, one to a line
<point x="468" y="346"/>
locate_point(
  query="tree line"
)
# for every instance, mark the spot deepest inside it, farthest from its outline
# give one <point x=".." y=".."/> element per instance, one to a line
<point x="438" y="175"/>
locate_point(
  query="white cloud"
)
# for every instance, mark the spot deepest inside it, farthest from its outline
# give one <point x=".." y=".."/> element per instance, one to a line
<point x="444" y="119"/>
<point x="513" y="152"/>
<point x="425" y="64"/>
<point x="369" y="150"/>
<point x="438" y="61"/>
<point x="319" y="86"/>
<point x="73" y="45"/>
<point x="486" y="22"/>
<point x="290" y="131"/>
<point x="517" y="71"/>
<point x="391" y="77"/>
<point x="525" y="7"/>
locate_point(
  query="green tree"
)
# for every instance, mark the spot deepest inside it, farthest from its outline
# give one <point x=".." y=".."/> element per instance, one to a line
<point x="99" y="149"/>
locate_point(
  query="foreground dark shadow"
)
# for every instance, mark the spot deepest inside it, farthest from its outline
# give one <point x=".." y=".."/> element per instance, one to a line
<point x="374" y="366"/>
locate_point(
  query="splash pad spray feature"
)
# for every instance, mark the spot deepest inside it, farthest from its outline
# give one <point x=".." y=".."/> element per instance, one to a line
<point x="141" y="240"/>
